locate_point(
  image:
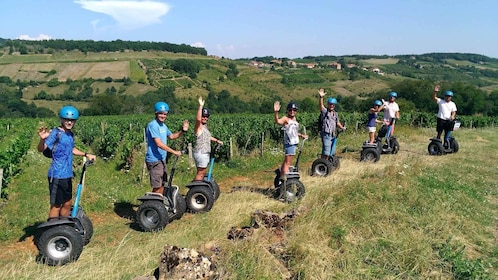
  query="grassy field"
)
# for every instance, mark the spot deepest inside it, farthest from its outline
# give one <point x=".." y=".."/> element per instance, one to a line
<point x="409" y="216"/>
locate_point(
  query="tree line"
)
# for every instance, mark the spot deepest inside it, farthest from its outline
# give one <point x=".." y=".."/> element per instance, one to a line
<point x="49" y="46"/>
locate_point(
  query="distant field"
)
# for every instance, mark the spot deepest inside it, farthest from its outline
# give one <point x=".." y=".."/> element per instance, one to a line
<point x="64" y="71"/>
<point x="378" y="61"/>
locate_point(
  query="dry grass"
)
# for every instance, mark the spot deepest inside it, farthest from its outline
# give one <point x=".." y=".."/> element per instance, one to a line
<point x="365" y="221"/>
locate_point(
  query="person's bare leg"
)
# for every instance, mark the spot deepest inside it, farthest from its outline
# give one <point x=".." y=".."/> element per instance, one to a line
<point x="201" y="172"/>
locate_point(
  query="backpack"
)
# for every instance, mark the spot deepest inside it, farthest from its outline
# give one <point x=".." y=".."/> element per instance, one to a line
<point x="321" y="117"/>
<point x="49" y="153"/>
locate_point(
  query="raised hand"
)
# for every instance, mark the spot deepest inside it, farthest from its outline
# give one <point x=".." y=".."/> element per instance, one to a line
<point x="201" y="101"/>
<point x="321" y="92"/>
<point x="43" y="132"/>
<point x="276" y="106"/>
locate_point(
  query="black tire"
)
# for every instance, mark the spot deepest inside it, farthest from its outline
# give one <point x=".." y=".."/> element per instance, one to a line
<point x="199" y="199"/>
<point x="336" y="163"/>
<point x="152" y="215"/>
<point x="435" y="148"/>
<point x="59" y="245"/>
<point x="87" y="229"/>
<point x="454" y="145"/>
<point x="370" y="155"/>
<point x="181" y="208"/>
<point x="321" y="167"/>
<point x="277" y="182"/>
<point x="216" y="188"/>
<point x="394" y="145"/>
<point x="294" y="190"/>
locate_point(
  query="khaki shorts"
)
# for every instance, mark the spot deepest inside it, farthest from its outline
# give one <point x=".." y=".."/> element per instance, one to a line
<point x="157" y="173"/>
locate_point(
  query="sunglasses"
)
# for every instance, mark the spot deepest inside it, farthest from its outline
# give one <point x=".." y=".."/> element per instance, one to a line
<point x="68" y="120"/>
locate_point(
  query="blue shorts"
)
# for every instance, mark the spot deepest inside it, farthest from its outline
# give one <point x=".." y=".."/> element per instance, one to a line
<point x="290" y="150"/>
<point x="201" y="160"/>
<point x="327" y="140"/>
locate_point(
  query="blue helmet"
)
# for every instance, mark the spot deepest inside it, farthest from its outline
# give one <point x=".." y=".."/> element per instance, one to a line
<point x="378" y="102"/>
<point x="332" y="101"/>
<point x="448" y="93"/>
<point x="161" y="107"/>
<point x="69" y="112"/>
<point x="393" y="94"/>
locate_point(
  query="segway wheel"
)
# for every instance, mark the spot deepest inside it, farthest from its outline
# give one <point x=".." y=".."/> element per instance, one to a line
<point x="181" y="208"/>
<point x="370" y="155"/>
<point x="336" y="163"/>
<point x="216" y="188"/>
<point x="321" y="167"/>
<point x="435" y="148"/>
<point x="199" y="199"/>
<point x="87" y="229"/>
<point x="152" y="215"/>
<point x="394" y="145"/>
<point x="59" y="245"/>
<point x="292" y="191"/>
<point x="454" y="145"/>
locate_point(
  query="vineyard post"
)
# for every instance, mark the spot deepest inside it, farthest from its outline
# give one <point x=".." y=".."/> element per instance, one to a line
<point x="1" y="180"/>
<point x="231" y="148"/>
<point x="144" y="166"/>
<point x="262" y="141"/>
<point x="190" y="155"/>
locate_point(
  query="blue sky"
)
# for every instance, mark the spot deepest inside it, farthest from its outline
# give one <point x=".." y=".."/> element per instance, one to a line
<point x="280" y="28"/>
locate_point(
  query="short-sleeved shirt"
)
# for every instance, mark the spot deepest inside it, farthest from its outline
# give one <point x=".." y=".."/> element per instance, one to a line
<point x="159" y="130"/>
<point x="329" y="121"/>
<point x="445" y="109"/>
<point x="390" y="110"/>
<point x="62" y="156"/>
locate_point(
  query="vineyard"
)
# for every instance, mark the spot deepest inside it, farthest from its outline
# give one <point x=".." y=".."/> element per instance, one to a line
<point x="122" y="136"/>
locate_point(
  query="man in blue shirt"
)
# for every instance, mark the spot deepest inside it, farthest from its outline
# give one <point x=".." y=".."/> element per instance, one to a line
<point x="157" y="134"/>
<point x="60" y="141"/>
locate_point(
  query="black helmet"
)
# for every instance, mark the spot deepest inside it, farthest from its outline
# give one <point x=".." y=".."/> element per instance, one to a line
<point x="291" y="106"/>
<point x="205" y="112"/>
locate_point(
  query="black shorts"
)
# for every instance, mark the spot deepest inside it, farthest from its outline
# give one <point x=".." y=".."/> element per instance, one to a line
<point x="61" y="190"/>
<point x="444" y="125"/>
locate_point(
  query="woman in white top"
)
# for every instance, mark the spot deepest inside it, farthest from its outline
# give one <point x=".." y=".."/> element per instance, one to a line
<point x="202" y="148"/>
<point x="291" y="135"/>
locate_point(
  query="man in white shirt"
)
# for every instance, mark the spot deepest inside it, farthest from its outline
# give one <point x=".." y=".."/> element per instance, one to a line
<point x="446" y="113"/>
<point x="391" y="110"/>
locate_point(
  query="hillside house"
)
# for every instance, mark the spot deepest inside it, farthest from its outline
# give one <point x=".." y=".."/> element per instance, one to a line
<point x="334" y="65"/>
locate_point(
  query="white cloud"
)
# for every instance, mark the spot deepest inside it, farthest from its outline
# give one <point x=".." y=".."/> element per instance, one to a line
<point x="198" y="45"/>
<point x="128" y="14"/>
<point x="39" y="38"/>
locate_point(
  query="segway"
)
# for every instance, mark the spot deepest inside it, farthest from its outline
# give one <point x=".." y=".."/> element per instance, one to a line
<point x="391" y="145"/>
<point x="291" y="189"/>
<point x="156" y="210"/>
<point x="370" y="152"/>
<point x="437" y="147"/>
<point x="324" y="166"/>
<point x="202" y="194"/>
<point x="61" y="240"/>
